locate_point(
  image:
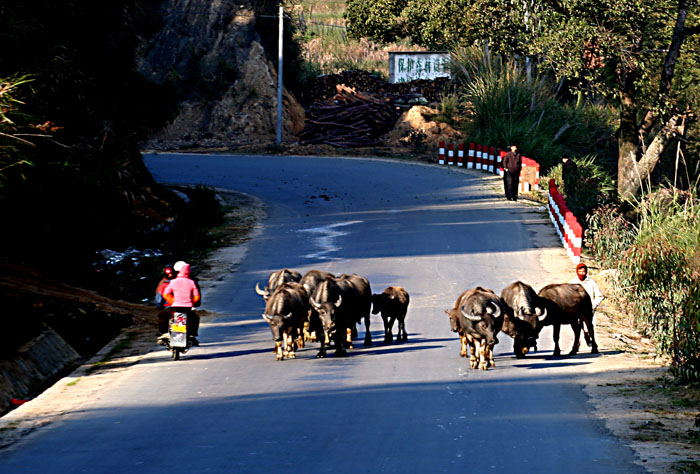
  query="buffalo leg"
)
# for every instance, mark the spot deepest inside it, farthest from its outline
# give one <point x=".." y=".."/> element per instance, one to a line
<point x="576" y="327"/>
<point x="473" y="354"/>
<point x="368" y="334"/>
<point x="388" y="336"/>
<point x="317" y="328"/>
<point x="591" y="333"/>
<point x="348" y="338"/>
<point x="462" y="345"/>
<point x="389" y="330"/>
<point x="555" y="330"/>
<point x="339" y="345"/>
<point x="278" y="350"/>
<point x="289" y="345"/>
<point x="403" y="335"/>
<point x="483" y="354"/>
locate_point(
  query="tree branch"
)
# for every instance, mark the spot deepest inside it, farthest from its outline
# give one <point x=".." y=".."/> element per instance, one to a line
<point x="674" y="52"/>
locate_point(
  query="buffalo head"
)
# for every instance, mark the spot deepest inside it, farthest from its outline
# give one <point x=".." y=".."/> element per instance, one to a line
<point x="264" y="293"/>
<point x="277" y="323"/>
<point x="326" y="312"/>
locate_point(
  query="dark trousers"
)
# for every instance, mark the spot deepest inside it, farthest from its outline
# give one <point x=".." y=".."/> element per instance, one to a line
<point x="511" y="181"/>
<point x="192" y="320"/>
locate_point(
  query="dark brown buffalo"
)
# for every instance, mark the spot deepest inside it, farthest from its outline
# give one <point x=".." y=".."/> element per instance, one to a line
<point x="567" y="304"/>
<point x="521" y="304"/>
<point x="341" y="303"/>
<point x="334" y="322"/>
<point x="310" y="281"/>
<point x="360" y="292"/>
<point x="393" y="304"/>
<point x="285" y="311"/>
<point x="477" y="316"/>
<point x="275" y="280"/>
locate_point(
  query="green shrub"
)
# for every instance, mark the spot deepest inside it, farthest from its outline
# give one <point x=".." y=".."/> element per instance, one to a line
<point x="608" y="234"/>
<point x="587" y="188"/>
<point x="513" y="103"/>
<point x="661" y="271"/>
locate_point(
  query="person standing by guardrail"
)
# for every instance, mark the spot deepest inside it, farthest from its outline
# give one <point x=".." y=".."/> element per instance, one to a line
<point x="512" y="164"/>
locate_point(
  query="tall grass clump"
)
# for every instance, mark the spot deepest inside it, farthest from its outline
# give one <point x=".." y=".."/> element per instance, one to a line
<point x="513" y="102"/>
<point x="659" y="272"/>
<point x="588" y="186"/>
<point x="608" y="234"/>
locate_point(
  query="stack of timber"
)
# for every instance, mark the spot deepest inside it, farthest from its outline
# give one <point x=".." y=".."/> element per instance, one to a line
<point x="349" y="119"/>
<point x="324" y="87"/>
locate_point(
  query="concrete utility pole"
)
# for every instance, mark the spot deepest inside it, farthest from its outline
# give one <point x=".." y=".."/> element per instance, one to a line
<point x="279" y="77"/>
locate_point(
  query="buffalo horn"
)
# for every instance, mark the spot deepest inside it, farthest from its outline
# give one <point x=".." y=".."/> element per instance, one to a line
<point x="496" y="311"/>
<point x="314" y="303"/>
<point x="471" y="317"/>
<point x="339" y="302"/>
<point x="259" y="291"/>
<point x="267" y="318"/>
<point x="541" y="313"/>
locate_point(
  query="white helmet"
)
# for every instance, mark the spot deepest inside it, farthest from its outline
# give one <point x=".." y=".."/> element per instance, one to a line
<point x="178" y="265"/>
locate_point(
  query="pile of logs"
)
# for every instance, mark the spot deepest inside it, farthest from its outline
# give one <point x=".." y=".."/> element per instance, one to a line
<point x="355" y="108"/>
<point x="324" y="87"/>
<point x="350" y="119"/>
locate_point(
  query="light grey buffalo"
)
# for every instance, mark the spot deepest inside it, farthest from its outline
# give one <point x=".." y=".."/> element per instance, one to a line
<point x="477" y="316"/>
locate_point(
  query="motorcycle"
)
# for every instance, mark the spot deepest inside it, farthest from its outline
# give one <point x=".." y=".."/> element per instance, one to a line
<point x="179" y="343"/>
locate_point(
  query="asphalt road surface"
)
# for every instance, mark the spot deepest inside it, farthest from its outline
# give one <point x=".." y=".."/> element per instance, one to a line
<point x="412" y="407"/>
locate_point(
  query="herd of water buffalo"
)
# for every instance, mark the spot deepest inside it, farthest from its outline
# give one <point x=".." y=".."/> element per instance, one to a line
<point x="325" y="308"/>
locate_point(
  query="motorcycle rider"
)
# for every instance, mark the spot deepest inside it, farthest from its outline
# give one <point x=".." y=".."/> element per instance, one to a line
<point x="162" y="304"/>
<point x="183" y="294"/>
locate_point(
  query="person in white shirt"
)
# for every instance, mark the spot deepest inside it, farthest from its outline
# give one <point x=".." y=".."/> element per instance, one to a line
<point x="591" y="288"/>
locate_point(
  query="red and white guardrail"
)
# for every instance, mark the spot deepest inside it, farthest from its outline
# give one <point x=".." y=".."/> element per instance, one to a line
<point x="488" y="159"/>
<point x="567" y="226"/>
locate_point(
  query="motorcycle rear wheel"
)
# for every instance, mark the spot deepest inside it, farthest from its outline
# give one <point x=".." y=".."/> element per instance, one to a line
<point x="176" y="354"/>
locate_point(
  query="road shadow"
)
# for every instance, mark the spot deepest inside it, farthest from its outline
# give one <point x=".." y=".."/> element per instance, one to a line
<point x="226" y="354"/>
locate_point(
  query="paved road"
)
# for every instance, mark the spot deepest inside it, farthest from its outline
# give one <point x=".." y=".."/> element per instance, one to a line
<point x="414" y="407"/>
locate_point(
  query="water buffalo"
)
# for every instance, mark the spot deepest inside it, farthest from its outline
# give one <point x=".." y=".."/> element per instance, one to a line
<point x="275" y="280"/>
<point x="327" y="301"/>
<point x="567" y="304"/>
<point x="310" y="281"/>
<point x="285" y="311"/>
<point x="393" y="304"/>
<point x="521" y="304"/>
<point x="359" y="305"/>
<point x="341" y="303"/>
<point x="477" y="316"/>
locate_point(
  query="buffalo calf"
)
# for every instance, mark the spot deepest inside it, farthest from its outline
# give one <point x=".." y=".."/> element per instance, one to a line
<point x="392" y="303"/>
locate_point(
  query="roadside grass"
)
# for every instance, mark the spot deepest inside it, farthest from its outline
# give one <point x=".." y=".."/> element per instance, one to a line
<point x="118" y="348"/>
<point x="10" y="426"/>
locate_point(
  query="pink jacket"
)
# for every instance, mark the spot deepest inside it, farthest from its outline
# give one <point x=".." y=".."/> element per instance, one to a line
<point x="182" y="291"/>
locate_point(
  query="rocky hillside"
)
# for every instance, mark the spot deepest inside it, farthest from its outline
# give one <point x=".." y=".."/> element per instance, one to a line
<point x="212" y="56"/>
